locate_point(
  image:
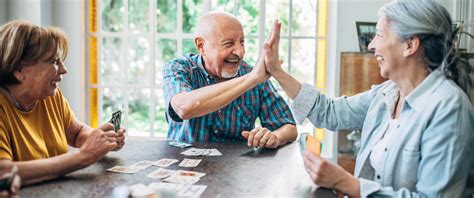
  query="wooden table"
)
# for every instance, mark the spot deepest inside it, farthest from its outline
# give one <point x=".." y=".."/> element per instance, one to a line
<point x="240" y="172"/>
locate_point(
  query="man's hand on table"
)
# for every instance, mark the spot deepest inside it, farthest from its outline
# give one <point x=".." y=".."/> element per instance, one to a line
<point x="262" y="137"/>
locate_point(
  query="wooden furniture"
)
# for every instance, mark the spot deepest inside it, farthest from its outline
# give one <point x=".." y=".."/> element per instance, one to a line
<point x="359" y="71"/>
<point x="241" y="171"/>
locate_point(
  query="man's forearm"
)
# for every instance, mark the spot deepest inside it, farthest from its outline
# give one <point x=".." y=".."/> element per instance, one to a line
<point x="208" y="99"/>
<point x="287" y="133"/>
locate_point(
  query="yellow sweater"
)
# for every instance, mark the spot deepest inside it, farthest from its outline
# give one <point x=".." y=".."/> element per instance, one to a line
<point x="38" y="134"/>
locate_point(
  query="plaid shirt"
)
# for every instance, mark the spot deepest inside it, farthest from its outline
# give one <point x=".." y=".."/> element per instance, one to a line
<point x="187" y="73"/>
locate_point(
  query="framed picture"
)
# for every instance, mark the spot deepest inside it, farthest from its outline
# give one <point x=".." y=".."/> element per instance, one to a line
<point x="365" y="34"/>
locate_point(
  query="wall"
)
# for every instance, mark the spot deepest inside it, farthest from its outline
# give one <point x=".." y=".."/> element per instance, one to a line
<point x="66" y="14"/>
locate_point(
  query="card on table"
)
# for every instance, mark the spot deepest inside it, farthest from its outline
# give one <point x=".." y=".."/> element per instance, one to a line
<point x="116" y="119"/>
<point x="124" y="169"/>
<point x="142" y="164"/>
<point x="189" y="162"/>
<point x="214" y="152"/>
<point x="189" y="173"/>
<point x="161" y="173"/>
<point x="163" y="186"/>
<point x="179" y="144"/>
<point x="193" y="152"/>
<point x="165" y="162"/>
<point x="182" y="179"/>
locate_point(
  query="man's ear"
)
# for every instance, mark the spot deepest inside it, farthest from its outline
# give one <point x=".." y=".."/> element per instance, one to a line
<point x="413" y="44"/>
<point x="199" y="43"/>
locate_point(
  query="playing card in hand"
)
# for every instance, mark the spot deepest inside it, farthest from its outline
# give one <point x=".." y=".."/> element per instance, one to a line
<point x="116" y="119"/>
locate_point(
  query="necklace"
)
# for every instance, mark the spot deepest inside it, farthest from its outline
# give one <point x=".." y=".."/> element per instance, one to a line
<point x="17" y="104"/>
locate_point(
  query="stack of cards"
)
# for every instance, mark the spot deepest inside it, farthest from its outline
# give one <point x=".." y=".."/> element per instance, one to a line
<point x="306" y="141"/>
<point x="116" y="119"/>
<point x="179" y="144"/>
<point x="178" y="189"/>
<point x="197" y="152"/>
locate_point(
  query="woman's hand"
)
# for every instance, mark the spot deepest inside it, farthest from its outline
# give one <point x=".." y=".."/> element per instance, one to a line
<point x="329" y="175"/>
<point x="271" y="48"/>
<point x="99" y="143"/>
<point x="120" y="139"/>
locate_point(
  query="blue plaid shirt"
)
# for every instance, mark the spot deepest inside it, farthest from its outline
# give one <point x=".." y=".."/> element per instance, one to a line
<point x="187" y="73"/>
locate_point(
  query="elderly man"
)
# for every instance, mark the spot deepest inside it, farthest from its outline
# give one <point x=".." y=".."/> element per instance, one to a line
<point x="216" y="96"/>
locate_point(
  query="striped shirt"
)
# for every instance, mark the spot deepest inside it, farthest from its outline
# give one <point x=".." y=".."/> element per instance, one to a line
<point x="187" y="73"/>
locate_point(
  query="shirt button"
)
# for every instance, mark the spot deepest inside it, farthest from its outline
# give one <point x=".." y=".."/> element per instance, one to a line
<point x="215" y="131"/>
<point x="378" y="176"/>
<point x="386" y="149"/>
<point x="218" y="111"/>
<point x="398" y="126"/>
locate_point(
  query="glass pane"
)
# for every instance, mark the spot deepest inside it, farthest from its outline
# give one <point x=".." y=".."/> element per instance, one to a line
<point x="224" y="5"/>
<point x="138" y="11"/>
<point x="139" y="61"/>
<point x="112" y="15"/>
<point x="112" y="101"/>
<point x="110" y="58"/>
<point x="165" y="51"/>
<point x="303" y="59"/>
<point x="192" y="9"/>
<point x="304" y="18"/>
<point x="277" y="9"/>
<point x="248" y="15"/>
<point x="189" y="46"/>
<point x="161" y="126"/>
<point x="251" y="50"/>
<point x="166" y="16"/>
<point x="139" y="116"/>
<point x="246" y="10"/>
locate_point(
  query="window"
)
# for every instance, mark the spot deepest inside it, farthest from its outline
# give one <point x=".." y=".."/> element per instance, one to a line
<point x="131" y="40"/>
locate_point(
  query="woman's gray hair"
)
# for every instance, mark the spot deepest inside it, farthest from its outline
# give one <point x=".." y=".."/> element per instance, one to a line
<point x="432" y="23"/>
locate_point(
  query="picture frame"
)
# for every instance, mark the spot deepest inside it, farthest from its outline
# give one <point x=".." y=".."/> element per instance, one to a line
<point x="365" y="33"/>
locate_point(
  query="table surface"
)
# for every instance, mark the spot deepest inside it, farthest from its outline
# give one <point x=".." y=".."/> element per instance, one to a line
<point x="240" y="172"/>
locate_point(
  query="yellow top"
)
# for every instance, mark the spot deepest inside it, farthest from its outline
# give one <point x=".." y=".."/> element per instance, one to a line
<point x="38" y="134"/>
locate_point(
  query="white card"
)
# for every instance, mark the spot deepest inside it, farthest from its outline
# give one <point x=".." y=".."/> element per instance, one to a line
<point x="214" y="152"/>
<point x="192" y="191"/>
<point x="189" y="162"/>
<point x="123" y="169"/>
<point x="179" y="144"/>
<point x="165" y="162"/>
<point x="161" y="173"/>
<point x="182" y="179"/>
<point x="189" y="173"/>
<point x="142" y="165"/>
<point x="193" y="152"/>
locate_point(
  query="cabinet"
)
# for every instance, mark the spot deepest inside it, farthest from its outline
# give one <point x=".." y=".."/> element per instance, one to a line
<point x="358" y="72"/>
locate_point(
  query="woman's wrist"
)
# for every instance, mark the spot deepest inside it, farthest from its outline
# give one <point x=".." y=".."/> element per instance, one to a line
<point x="349" y="185"/>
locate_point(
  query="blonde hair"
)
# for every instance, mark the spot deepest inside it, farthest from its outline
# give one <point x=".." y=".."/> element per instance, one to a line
<point x="22" y="43"/>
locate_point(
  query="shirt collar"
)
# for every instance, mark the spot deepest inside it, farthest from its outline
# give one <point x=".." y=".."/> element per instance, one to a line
<point x="418" y="98"/>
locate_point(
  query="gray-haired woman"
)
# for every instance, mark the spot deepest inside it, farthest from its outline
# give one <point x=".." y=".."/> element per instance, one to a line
<point x="417" y="128"/>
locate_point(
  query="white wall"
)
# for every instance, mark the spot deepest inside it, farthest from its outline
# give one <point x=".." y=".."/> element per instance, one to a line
<point x="3" y="11"/>
<point x="68" y="15"/>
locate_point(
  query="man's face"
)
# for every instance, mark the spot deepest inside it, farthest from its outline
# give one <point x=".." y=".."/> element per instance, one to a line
<point x="223" y="49"/>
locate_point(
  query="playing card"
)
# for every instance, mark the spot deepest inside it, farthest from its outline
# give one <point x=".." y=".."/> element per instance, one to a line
<point x="192" y="191"/>
<point x="124" y="169"/>
<point x="214" y="152"/>
<point x="161" y="173"/>
<point x="116" y="119"/>
<point x="142" y="165"/>
<point x="140" y="190"/>
<point x="189" y="162"/>
<point x="313" y="145"/>
<point x="189" y="173"/>
<point x="165" y="162"/>
<point x="179" y="144"/>
<point x="163" y="186"/>
<point x="182" y="179"/>
<point x="193" y="152"/>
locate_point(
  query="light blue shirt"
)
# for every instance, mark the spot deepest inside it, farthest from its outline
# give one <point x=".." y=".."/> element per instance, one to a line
<point x="431" y="154"/>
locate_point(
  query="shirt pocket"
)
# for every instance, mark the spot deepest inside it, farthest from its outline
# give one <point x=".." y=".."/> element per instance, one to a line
<point x="408" y="168"/>
<point x="245" y="114"/>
